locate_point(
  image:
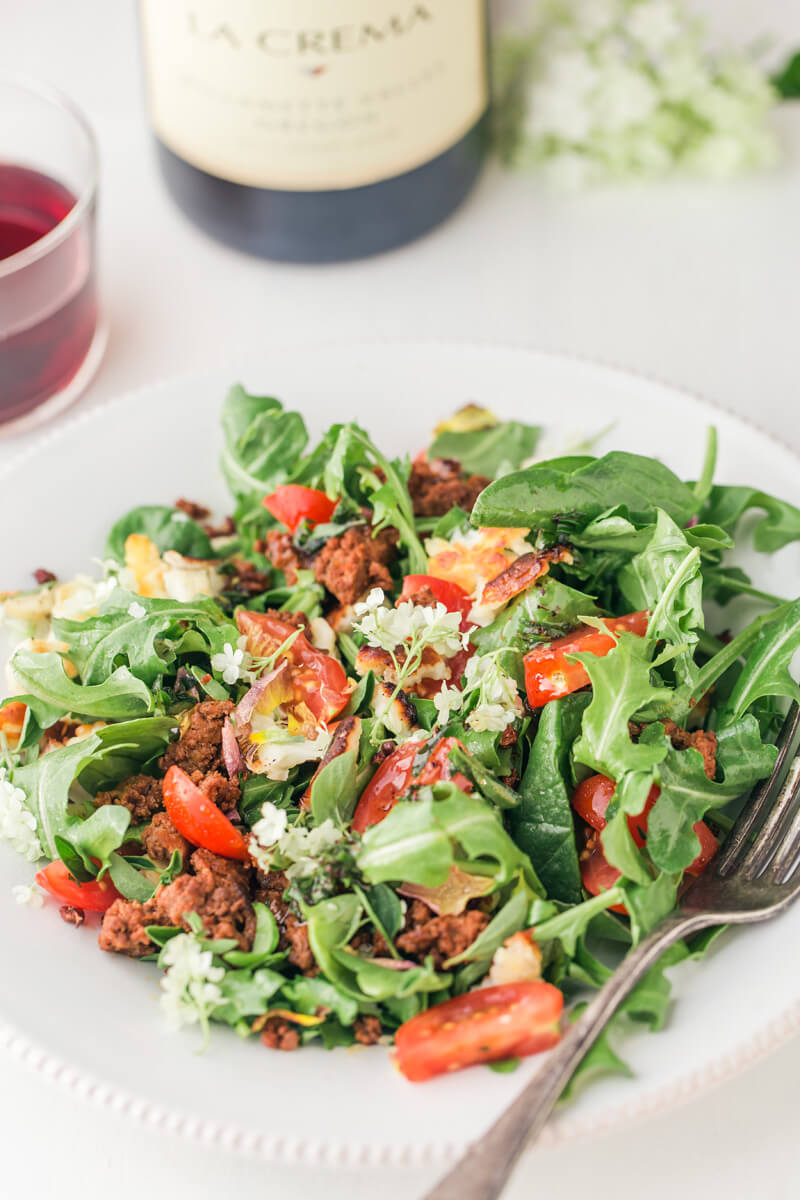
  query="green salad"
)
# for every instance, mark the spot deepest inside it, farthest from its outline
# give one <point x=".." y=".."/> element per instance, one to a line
<point x="400" y="752"/>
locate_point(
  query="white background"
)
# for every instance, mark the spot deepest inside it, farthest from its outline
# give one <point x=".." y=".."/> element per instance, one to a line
<point x="693" y="283"/>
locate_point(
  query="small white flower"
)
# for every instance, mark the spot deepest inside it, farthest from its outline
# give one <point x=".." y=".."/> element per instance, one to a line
<point x="190" y="991"/>
<point x="228" y="663"/>
<point x="17" y="823"/>
<point x="594" y="17"/>
<point x="655" y="25"/>
<point x="28" y="893"/>
<point x="180" y="518"/>
<point x="269" y="829"/>
<point x="624" y="97"/>
<point x="498" y="702"/>
<point x="136" y="610"/>
<point x="373" y="602"/>
<point x="448" y="700"/>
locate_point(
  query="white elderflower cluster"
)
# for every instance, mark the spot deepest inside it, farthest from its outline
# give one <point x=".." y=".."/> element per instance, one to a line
<point x="300" y="848"/>
<point x="191" y="984"/>
<point x="621" y="87"/>
<point x="498" y="702"/>
<point x="17" y="823"/>
<point x="412" y="627"/>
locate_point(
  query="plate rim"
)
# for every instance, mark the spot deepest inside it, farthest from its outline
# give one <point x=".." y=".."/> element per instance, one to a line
<point x="234" y="1137"/>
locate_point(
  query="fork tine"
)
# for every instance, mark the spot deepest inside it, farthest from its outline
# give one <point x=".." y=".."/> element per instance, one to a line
<point x="769" y="836"/>
<point x="786" y="859"/>
<point x="761" y="798"/>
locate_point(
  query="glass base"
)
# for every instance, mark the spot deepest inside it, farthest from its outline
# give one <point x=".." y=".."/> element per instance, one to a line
<point x="68" y="395"/>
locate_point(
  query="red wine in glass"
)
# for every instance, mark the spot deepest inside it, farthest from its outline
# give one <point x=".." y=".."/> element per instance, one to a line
<point x="48" y="308"/>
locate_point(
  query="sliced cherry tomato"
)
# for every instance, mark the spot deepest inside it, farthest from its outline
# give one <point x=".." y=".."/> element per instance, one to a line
<point x="548" y="672"/>
<point x="395" y="775"/>
<point x="94" y="896"/>
<point x="12" y="721"/>
<point x="590" y="801"/>
<point x="592" y="797"/>
<point x="487" y="1025"/>
<point x="318" y="680"/>
<point x="453" y="597"/>
<point x="199" y="819"/>
<point x="293" y="503"/>
<point x="708" y="848"/>
<point x="598" y="875"/>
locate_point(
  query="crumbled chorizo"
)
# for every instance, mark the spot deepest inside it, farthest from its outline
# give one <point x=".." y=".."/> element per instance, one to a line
<point x="42" y="576"/>
<point x="355" y="561"/>
<point x="440" y="937"/>
<point x="702" y="740"/>
<point x="199" y="747"/>
<point x="279" y="1034"/>
<point x="269" y="889"/>
<point x="246" y="577"/>
<point x="196" y="512"/>
<point x="439" y="485"/>
<point x="220" y="790"/>
<point x="214" y="867"/>
<point x="223" y="908"/>
<point x="124" y="929"/>
<point x="280" y="550"/>
<point x="161" y="839"/>
<point x="367" y="1030"/>
<point x="72" y="915"/>
<point x="140" y="794"/>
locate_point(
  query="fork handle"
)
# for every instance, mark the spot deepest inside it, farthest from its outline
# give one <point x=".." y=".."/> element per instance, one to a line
<point x="482" y="1172"/>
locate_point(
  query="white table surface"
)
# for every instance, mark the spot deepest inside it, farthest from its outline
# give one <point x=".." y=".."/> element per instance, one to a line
<point x="693" y="283"/>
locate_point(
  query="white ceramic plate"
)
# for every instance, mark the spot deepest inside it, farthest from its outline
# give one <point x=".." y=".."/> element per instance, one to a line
<point x="92" y="1020"/>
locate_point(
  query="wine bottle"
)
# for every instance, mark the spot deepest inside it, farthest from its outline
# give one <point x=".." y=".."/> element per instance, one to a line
<point x="317" y="130"/>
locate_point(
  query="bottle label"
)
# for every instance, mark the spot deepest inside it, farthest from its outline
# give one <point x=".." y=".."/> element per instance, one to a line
<point x="307" y="96"/>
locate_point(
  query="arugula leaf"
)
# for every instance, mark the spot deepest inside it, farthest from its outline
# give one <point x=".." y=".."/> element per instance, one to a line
<point x="120" y="695"/>
<point x="569" y="926"/>
<point x="420" y="840"/>
<point x="127" y="748"/>
<point x="544" y="826"/>
<point x="148" y="644"/>
<point x="487" y="783"/>
<point x="46" y="781"/>
<point x="307" y="995"/>
<point x="766" y="669"/>
<point x="491" y="451"/>
<point x="357" y="469"/>
<point x="620" y="686"/>
<point x="265" y="942"/>
<point x="262" y="442"/>
<point x="666" y="579"/>
<point x="721" y="584"/>
<point x="537" y="497"/>
<point x="687" y="793"/>
<point x="169" y="528"/>
<point x="727" y="505"/>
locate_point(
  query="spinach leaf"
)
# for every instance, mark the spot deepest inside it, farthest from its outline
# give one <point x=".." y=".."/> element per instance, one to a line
<point x="727" y="505"/>
<point x="687" y="793"/>
<point x="787" y="80"/>
<point x="544" y="826"/>
<point x="100" y="834"/>
<point x="262" y="442"/>
<point x="334" y="792"/>
<point x="126" y="879"/>
<point x="265" y="942"/>
<point x="246" y="994"/>
<point x="169" y="528"/>
<point x="537" y="497"/>
<point x="492" y="451"/>
<point x="307" y="995"/>
<point x="119" y="696"/>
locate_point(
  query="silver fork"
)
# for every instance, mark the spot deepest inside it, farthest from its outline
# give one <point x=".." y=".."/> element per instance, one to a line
<point x="753" y="878"/>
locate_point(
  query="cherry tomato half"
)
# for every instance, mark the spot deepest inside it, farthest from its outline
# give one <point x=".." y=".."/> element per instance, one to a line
<point x="199" y="819"/>
<point x="598" y="875"/>
<point x="548" y="672"/>
<point x="509" y="1021"/>
<point x="317" y="679"/>
<point x="94" y="896"/>
<point x="453" y="597"/>
<point x="394" y="776"/>
<point x="293" y="503"/>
